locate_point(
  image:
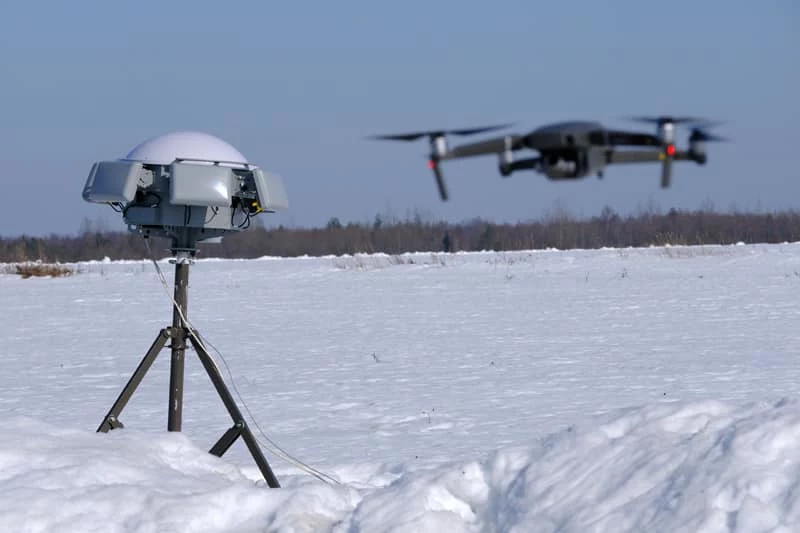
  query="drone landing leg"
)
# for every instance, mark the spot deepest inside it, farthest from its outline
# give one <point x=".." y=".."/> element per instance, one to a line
<point x="111" y="420"/>
<point x="240" y="427"/>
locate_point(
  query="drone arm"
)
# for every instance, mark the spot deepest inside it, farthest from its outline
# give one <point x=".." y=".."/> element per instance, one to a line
<point x="490" y="146"/>
<point x="533" y="163"/>
<point x="629" y="138"/>
<point x="642" y="156"/>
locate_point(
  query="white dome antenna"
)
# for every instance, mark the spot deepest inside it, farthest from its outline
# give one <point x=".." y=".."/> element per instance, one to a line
<point x="188" y="186"/>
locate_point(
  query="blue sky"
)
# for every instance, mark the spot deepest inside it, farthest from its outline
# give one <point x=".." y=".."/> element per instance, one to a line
<point x="296" y="86"/>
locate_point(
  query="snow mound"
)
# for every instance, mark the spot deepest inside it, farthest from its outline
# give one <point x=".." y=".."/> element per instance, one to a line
<point x="699" y="467"/>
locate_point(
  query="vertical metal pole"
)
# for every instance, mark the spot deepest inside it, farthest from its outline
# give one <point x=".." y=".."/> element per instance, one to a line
<point x="179" y="333"/>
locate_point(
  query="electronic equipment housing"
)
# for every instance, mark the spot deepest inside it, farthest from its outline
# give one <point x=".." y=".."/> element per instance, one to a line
<point x="181" y="184"/>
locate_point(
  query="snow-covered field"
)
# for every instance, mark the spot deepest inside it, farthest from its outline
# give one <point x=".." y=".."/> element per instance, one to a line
<point x="636" y="390"/>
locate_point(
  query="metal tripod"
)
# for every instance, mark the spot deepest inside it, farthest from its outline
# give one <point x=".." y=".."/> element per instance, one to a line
<point x="178" y="334"/>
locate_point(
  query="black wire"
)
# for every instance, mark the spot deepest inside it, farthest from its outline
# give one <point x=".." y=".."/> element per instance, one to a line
<point x="246" y="222"/>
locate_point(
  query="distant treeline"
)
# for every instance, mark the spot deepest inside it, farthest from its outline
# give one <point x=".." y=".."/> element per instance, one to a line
<point x="561" y="231"/>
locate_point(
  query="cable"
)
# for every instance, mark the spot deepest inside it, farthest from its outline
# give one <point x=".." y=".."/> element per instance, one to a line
<point x="273" y="447"/>
<point x="245" y="223"/>
<point x="214" y="213"/>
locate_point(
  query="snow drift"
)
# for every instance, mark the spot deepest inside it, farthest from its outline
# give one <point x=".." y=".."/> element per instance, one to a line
<point x="697" y="467"/>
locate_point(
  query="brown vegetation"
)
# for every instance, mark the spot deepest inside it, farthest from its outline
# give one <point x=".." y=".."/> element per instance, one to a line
<point x="39" y="270"/>
<point x="561" y="231"/>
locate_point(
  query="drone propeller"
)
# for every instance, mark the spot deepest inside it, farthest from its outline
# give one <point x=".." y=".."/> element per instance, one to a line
<point x="697" y="143"/>
<point x="667" y="119"/>
<point x="699" y="134"/>
<point x="432" y="134"/>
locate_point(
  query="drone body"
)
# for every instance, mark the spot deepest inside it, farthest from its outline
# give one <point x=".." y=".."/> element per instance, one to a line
<point x="570" y="150"/>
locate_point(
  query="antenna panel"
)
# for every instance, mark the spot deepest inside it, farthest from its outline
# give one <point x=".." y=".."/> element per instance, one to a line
<point x="112" y="181"/>
<point x="200" y="185"/>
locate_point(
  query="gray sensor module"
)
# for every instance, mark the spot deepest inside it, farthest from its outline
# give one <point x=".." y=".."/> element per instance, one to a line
<point x="188" y="186"/>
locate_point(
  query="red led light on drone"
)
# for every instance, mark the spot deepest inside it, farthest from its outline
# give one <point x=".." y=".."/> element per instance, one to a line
<point x="670" y="150"/>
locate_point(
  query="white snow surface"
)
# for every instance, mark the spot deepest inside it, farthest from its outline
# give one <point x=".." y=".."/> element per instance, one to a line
<point x="633" y="390"/>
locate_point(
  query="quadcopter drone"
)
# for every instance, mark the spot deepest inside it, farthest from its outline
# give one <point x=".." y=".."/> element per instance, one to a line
<point x="571" y="150"/>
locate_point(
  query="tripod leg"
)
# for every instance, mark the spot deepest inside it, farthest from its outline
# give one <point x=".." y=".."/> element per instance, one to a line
<point x="111" y="420"/>
<point x="258" y="457"/>
<point x="226" y="441"/>
<point x="240" y="425"/>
